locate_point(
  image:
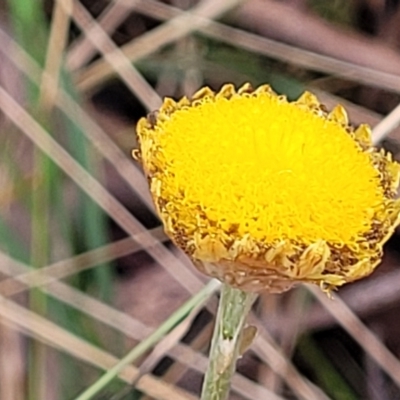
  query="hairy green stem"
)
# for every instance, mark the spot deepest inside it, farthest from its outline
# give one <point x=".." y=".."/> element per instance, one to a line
<point x="226" y="345"/>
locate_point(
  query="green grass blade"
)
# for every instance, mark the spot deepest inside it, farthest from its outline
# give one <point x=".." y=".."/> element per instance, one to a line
<point x="156" y="336"/>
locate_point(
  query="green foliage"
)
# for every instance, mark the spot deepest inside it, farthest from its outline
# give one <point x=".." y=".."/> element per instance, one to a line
<point x="44" y="198"/>
<point x="327" y="377"/>
<point x="338" y="11"/>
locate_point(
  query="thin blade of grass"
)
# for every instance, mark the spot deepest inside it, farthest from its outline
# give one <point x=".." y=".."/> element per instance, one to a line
<point x="326" y="374"/>
<point x="170" y="340"/>
<point x="193" y="303"/>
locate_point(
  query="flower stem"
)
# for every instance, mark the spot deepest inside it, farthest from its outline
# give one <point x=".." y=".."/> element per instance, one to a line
<point x="233" y="308"/>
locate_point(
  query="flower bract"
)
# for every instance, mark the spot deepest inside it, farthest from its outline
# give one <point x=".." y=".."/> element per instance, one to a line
<point x="262" y="193"/>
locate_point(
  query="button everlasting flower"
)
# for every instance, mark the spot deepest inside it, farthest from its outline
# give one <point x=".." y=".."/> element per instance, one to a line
<point x="263" y="193"/>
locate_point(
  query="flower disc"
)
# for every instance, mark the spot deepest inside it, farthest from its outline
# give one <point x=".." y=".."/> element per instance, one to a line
<point x="262" y="192"/>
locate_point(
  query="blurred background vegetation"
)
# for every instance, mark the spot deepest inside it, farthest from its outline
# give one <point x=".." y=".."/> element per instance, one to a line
<point x="86" y="270"/>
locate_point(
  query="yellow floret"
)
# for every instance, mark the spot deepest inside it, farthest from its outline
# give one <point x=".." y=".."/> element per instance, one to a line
<point x="262" y="192"/>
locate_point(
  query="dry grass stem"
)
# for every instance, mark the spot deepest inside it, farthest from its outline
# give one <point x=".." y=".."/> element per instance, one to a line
<point x="198" y="344"/>
<point x="386" y="125"/>
<point x="172" y="30"/>
<point x="99" y="71"/>
<point x="168" y="342"/>
<point x="12" y="369"/>
<point x="291" y="331"/>
<point x="95" y="190"/>
<point x="98" y="138"/>
<point x="82" y="50"/>
<point x="57" y="337"/>
<point x="124" y="323"/>
<point x="305" y="59"/>
<point x="275" y="20"/>
<point x="366" y="298"/>
<point x="81" y="301"/>
<point x="266" y="348"/>
<point x="28" y="279"/>
<point x="366" y="339"/>
<point x="57" y="40"/>
<point x="135" y="329"/>
<point x="115" y="57"/>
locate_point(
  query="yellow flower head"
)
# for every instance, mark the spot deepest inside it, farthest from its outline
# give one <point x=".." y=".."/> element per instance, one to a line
<point x="262" y="193"/>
